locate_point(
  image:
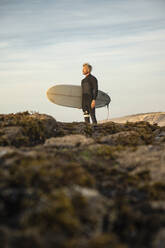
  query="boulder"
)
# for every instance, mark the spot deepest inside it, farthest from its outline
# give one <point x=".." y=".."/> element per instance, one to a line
<point x="73" y="140"/>
<point x="25" y="129"/>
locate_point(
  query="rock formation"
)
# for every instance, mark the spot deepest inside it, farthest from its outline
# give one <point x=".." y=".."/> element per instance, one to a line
<point x="70" y="185"/>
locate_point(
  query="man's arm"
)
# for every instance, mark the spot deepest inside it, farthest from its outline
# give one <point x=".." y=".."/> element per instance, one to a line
<point x="94" y="91"/>
<point x="94" y="87"/>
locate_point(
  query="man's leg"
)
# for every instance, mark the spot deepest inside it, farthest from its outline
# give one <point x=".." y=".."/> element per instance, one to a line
<point x="93" y="116"/>
<point x="85" y="107"/>
<point x="86" y="116"/>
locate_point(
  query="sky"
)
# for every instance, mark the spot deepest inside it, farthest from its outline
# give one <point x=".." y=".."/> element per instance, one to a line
<point x="44" y="43"/>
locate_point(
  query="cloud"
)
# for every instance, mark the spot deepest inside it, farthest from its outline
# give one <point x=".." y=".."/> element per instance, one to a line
<point x="42" y="42"/>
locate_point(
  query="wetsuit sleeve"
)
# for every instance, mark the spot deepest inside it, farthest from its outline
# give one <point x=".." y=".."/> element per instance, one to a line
<point x="94" y="87"/>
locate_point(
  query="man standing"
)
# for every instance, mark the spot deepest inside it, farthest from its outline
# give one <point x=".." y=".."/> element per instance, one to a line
<point x="89" y="93"/>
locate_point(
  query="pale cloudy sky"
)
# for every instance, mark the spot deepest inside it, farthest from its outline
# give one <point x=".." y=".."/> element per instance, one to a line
<point x="45" y="42"/>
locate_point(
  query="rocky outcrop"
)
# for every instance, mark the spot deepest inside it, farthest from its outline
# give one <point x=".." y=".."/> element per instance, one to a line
<point x="25" y="129"/>
<point x="74" y="184"/>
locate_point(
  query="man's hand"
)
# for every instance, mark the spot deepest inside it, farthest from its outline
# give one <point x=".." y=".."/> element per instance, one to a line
<point x="93" y="103"/>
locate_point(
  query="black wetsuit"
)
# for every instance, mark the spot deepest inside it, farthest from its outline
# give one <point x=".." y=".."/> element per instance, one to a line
<point x="89" y="92"/>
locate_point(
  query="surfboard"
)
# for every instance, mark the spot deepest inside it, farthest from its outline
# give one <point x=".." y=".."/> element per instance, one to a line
<point x="71" y="96"/>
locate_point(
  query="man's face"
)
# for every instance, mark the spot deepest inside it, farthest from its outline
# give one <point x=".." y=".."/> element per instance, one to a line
<point x="85" y="70"/>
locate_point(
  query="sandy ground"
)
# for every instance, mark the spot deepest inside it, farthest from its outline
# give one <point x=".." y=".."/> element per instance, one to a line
<point x="153" y="117"/>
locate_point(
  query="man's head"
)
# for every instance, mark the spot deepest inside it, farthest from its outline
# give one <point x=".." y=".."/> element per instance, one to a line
<point x="87" y="68"/>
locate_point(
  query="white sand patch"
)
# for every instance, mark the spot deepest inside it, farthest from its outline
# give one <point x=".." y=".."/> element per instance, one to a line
<point x="152" y="118"/>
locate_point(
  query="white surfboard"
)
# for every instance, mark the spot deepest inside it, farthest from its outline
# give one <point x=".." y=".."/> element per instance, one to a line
<point x="71" y="96"/>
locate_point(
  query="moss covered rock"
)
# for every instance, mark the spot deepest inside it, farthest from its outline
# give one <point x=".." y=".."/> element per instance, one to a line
<point x="25" y="129"/>
<point x="70" y="185"/>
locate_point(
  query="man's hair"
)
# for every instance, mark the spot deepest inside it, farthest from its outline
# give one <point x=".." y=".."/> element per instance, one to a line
<point x="89" y="66"/>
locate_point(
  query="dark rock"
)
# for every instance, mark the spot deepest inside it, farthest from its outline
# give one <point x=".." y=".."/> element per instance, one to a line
<point x="159" y="240"/>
